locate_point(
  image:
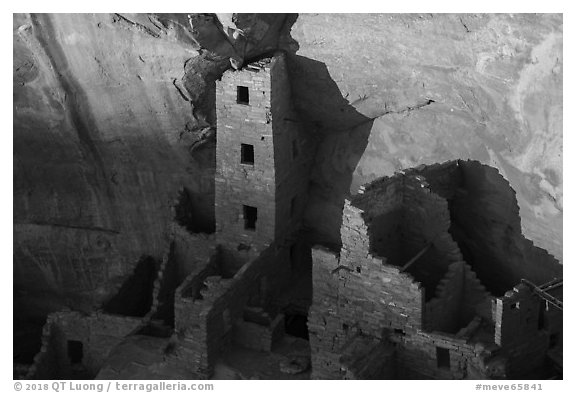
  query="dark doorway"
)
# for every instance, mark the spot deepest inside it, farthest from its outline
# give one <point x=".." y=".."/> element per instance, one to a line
<point x="442" y="357"/>
<point x="75" y="351"/>
<point x="296" y="325"/>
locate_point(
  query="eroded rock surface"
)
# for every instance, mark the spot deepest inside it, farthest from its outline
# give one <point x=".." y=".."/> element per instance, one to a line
<point x="439" y="87"/>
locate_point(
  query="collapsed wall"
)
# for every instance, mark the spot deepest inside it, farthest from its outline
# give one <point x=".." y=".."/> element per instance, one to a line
<point x="485" y="222"/>
<point x="401" y="278"/>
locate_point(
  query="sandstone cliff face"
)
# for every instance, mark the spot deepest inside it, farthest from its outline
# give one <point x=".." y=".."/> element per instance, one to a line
<point x="113" y="115"/>
<point x="439" y="87"/>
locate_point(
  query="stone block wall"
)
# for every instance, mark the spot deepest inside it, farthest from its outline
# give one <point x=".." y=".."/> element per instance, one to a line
<point x="417" y="356"/>
<point x="368" y="358"/>
<point x="276" y="183"/>
<point x="426" y="220"/>
<point x="52" y="361"/>
<point x="167" y="280"/>
<point x="99" y="333"/>
<point x="257" y="336"/>
<point x="518" y="331"/>
<point x="476" y="299"/>
<point x="347" y="300"/>
<point x="516" y="316"/>
<point x="208" y="305"/>
<point x="442" y="313"/>
<point x="240" y="184"/>
<point x="190" y="250"/>
<point x="395" y="218"/>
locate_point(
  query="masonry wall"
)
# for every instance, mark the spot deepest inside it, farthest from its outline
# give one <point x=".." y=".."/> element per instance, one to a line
<point x="442" y="313"/>
<point x="476" y="299"/>
<point x="167" y="280"/>
<point x="258" y="336"/>
<point x="99" y="333"/>
<point x="458" y="299"/>
<point x="52" y="361"/>
<point x="190" y="250"/>
<point x="293" y="152"/>
<point x="426" y="221"/>
<point x="240" y="184"/>
<point x="417" y="356"/>
<point x="347" y="301"/>
<point x="208" y="305"/>
<point x="518" y="332"/>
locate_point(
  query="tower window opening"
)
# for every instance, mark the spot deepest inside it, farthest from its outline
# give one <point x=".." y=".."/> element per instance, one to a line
<point x="250" y="217"/>
<point x="242" y="95"/>
<point x="247" y="154"/>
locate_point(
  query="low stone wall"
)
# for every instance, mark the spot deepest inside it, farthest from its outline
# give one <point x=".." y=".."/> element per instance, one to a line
<point x="99" y="333"/>
<point x="519" y="331"/>
<point x="51" y="362"/>
<point x="417" y="356"/>
<point x="208" y="305"/>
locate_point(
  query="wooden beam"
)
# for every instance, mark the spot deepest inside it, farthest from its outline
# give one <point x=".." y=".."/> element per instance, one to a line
<point x="416" y="257"/>
<point x="544" y="295"/>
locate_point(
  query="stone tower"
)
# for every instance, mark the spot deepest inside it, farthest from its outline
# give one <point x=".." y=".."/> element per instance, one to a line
<point x="262" y="160"/>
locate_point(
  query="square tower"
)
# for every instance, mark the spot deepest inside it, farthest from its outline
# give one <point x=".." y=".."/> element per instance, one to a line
<point x="262" y="159"/>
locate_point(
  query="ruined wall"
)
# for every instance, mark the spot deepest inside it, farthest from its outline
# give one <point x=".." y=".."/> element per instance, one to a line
<point x="52" y="361"/>
<point x="190" y="250"/>
<point x="208" y="305"/>
<point x="476" y="300"/>
<point x="520" y="331"/>
<point x="426" y="221"/>
<point x="442" y="313"/>
<point x="488" y="227"/>
<point x="258" y="335"/>
<point x="368" y="358"/>
<point x="418" y="356"/>
<point x="353" y="295"/>
<point x="99" y="333"/>
<point x="165" y="285"/>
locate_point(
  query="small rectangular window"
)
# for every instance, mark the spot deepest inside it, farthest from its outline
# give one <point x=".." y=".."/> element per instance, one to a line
<point x="292" y="207"/>
<point x="442" y="357"/>
<point x="242" y="95"/>
<point x="294" y="149"/>
<point x="247" y="154"/>
<point x="250" y="217"/>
